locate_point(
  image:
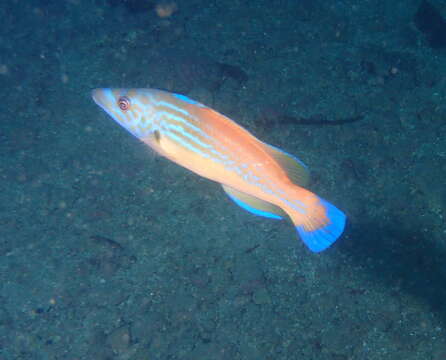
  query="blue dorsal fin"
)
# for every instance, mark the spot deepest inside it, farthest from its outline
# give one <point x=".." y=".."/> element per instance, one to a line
<point x="296" y="170"/>
<point x="188" y="99"/>
<point x="254" y="205"/>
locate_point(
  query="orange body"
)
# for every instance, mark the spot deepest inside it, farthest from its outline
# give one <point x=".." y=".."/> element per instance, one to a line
<point x="260" y="178"/>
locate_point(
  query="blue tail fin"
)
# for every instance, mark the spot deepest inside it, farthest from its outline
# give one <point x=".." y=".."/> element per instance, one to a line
<point x="320" y="239"/>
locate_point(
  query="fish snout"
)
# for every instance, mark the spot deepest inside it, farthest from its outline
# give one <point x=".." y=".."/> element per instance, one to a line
<point x="102" y="96"/>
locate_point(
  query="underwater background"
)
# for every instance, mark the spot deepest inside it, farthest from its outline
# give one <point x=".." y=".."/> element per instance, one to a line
<point x="111" y="252"/>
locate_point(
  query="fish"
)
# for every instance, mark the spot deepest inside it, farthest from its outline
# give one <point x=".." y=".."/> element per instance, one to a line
<point x="261" y="178"/>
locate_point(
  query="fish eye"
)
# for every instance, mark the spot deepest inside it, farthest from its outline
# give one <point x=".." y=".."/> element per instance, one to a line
<point x="124" y="103"/>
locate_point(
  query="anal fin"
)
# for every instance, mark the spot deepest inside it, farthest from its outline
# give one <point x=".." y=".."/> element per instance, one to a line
<point x="254" y="205"/>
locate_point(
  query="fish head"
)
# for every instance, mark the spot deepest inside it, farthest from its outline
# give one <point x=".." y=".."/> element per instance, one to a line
<point x="133" y="109"/>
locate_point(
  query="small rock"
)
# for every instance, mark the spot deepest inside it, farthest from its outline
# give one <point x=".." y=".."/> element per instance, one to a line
<point x="119" y="340"/>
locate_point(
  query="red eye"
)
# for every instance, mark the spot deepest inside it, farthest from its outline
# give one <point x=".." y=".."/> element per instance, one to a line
<point x="124" y="103"/>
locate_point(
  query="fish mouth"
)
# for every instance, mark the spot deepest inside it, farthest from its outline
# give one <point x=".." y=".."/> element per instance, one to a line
<point x="105" y="99"/>
<point x="99" y="96"/>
